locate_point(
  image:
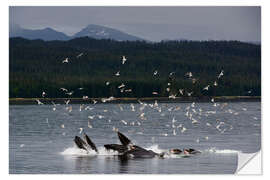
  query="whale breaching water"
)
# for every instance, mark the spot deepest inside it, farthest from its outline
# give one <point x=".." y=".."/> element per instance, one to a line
<point x="127" y="149"/>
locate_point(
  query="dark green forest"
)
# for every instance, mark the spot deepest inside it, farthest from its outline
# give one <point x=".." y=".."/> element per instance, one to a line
<point x="36" y="66"/>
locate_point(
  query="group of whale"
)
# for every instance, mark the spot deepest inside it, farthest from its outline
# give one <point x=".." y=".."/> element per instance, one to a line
<point x="127" y="149"/>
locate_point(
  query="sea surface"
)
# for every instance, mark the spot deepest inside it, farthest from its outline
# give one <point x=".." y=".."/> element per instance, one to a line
<point x="41" y="137"/>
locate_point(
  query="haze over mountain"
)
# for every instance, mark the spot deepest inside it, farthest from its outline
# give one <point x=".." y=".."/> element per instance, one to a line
<point x="93" y="31"/>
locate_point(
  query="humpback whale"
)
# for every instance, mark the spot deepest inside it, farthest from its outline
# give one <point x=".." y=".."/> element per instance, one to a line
<point x="127" y="149"/>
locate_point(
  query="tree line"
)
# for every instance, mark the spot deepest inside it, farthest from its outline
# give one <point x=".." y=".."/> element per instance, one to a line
<point x="36" y="66"/>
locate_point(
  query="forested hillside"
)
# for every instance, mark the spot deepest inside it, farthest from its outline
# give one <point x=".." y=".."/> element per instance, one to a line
<point x="36" y="66"/>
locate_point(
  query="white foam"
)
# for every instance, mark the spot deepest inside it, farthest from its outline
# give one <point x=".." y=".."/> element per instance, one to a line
<point x="222" y="151"/>
<point x="74" y="151"/>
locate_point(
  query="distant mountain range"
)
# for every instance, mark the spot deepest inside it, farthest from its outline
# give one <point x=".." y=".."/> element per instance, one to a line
<point x="92" y="30"/>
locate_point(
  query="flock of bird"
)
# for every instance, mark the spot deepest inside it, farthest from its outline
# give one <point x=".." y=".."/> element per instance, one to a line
<point x="192" y="114"/>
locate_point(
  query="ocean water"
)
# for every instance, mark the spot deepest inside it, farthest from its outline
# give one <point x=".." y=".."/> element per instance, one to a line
<point x="41" y="137"/>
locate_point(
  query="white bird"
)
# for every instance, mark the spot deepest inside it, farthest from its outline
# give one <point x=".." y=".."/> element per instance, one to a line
<point x="66" y="102"/>
<point x="63" y="89"/>
<point x="168" y="89"/>
<point x="198" y="140"/>
<point x="206" y="137"/>
<point x="81" y="130"/>
<point x="22" y="145"/>
<point x="212" y="100"/>
<point x="65" y="60"/>
<point x="221" y="74"/>
<point x="181" y="91"/>
<point x="79" y="55"/>
<point x="70" y="93"/>
<point x="138" y="123"/>
<point x="172" y="73"/>
<point x="189" y="94"/>
<point x="43" y="94"/>
<point x="244" y="109"/>
<point x="215" y="83"/>
<point x="91" y="117"/>
<point x="172" y="96"/>
<point x="117" y="73"/>
<point x="173" y="120"/>
<point x="189" y="74"/>
<point x="174" y="132"/>
<point x="121" y="86"/>
<point x="124" y="59"/>
<point x="183" y="130"/>
<point x="169" y="84"/>
<point x="115" y="129"/>
<point x="94" y="101"/>
<point x="194" y="121"/>
<point x="62" y="126"/>
<point x="155" y="93"/>
<point x="124" y="122"/>
<point x="85" y="97"/>
<point x="155" y="72"/>
<point x="206" y="88"/>
<point x="39" y="102"/>
<point x="89" y="125"/>
<point x="208" y="124"/>
<point x="132" y="107"/>
<point x="165" y="134"/>
<point x="107" y="83"/>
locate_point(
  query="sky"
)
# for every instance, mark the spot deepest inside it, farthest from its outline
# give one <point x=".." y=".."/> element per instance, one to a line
<point x="151" y="23"/>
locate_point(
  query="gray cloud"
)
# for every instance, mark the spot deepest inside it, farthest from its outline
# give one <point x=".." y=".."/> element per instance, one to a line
<point x="153" y="23"/>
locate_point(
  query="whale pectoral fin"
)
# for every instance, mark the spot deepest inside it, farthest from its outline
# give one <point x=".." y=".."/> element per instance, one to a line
<point x="123" y="139"/>
<point x="80" y="143"/>
<point x="90" y="143"/>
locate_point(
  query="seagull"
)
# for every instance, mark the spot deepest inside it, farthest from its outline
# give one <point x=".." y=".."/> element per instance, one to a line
<point x="155" y="72"/>
<point x="91" y="117"/>
<point x="63" y="89"/>
<point x="221" y="74"/>
<point x="168" y="89"/>
<point x="206" y="88"/>
<point x="94" y="101"/>
<point x="39" y="102"/>
<point x="165" y="134"/>
<point x="70" y="93"/>
<point x="85" y="97"/>
<point x="121" y="86"/>
<point x="79" y="55"/>
<point x="65" y="60"/>
<point x="124" y="60"/>
<point x="215" y="83"/>
<point x="169" y="84"/>
<point x="132" y="107"/>
<point x="181" y="91"/>
<point x="81" y="129"/>
<point x="172" y="96"/>
<point x="107" y="83"/>
<point x="189" y="74"/>
<point x="189" y="94"/>
<point x="62" y="126"/>
<point x="67" y="102"/>
<point x="207" y="124"/>
<point x="206" y="137"/>
<point x="249" y="91"/>
<point x="117" y="74"/>
<point x="172" y="73"/>
<point x="212" y="100"/>
<point x="124" y="122"/>
<point x="22" y="145"/>
<point x="183" y="130"/>
<point x="43" y="94"/>
<point x="89" y="125"/>
<point x="155" y="93"/>
<point x="174" y="132"/>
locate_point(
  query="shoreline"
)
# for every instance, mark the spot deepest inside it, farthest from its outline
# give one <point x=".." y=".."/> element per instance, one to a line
<point x="31" y="101"/>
